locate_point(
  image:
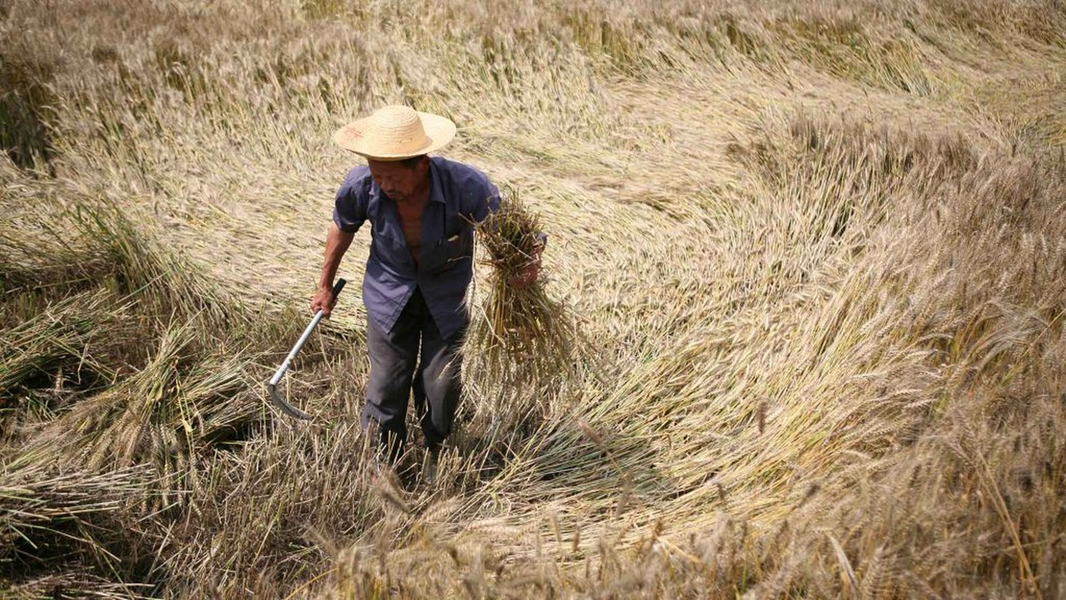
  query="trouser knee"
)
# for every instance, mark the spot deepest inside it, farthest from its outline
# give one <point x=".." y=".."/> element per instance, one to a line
<point x="443" y="390"/>
<point x="387" y="420"/>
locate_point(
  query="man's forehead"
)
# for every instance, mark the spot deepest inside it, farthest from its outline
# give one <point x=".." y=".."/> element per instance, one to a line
<point x="387" y="167"/>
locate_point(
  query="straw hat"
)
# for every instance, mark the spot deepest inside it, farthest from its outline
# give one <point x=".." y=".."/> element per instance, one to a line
<point x="395" y="133"/>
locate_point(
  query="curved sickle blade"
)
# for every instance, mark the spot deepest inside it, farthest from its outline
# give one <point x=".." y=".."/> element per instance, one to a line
<point x="285" y="407"/>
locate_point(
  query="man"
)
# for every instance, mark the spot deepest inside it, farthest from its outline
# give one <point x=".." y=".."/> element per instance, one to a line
<point x="421" y="212"/>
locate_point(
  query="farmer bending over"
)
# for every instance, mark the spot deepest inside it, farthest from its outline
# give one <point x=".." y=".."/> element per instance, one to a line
<point x="421" y="210"/>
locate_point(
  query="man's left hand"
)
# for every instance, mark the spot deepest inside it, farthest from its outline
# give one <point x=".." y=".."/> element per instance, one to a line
<point x="529" y="273"/>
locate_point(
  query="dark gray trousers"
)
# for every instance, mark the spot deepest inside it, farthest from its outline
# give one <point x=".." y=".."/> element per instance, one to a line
<point x="397" y="369"/>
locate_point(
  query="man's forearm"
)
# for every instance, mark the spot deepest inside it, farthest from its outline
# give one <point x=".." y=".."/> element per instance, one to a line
<point x="337" y="243"/>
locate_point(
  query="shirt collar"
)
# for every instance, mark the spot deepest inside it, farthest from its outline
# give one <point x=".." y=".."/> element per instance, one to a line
<point x="436" y="193"/>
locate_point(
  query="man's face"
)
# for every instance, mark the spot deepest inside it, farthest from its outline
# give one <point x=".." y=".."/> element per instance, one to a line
<point x="399" y="181"/>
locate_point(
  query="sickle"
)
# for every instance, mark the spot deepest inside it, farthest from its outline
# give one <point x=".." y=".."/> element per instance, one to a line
<point x="272" y="385"/>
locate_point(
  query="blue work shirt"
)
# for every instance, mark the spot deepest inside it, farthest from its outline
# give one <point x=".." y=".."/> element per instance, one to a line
<point x="459" y="196"/>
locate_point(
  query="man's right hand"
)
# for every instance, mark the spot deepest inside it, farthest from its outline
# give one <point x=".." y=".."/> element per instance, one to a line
<point x="323" y="300"/>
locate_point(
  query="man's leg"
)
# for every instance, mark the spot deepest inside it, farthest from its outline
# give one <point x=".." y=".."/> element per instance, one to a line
<point x="393" y="356"/>
<point x="438" y="378"/>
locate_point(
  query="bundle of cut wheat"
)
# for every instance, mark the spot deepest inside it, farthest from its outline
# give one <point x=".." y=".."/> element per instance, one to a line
<point x="526" y="341"/>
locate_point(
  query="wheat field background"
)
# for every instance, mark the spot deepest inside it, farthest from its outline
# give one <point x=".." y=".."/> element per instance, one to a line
<point x="815" y="253"/>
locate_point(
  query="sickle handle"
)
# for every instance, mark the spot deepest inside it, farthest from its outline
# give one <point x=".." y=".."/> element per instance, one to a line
<point x="272" y="385"/>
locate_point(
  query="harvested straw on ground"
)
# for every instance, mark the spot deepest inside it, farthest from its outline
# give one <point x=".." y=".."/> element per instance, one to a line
<point x="72" y="519"/>
<point x="835" y="351"/>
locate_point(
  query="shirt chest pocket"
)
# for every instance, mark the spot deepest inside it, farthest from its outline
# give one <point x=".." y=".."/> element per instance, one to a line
<point x="447" y="252"/>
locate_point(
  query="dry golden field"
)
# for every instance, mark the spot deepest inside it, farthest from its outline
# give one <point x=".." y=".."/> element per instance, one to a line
<point x="815" y="254"/>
